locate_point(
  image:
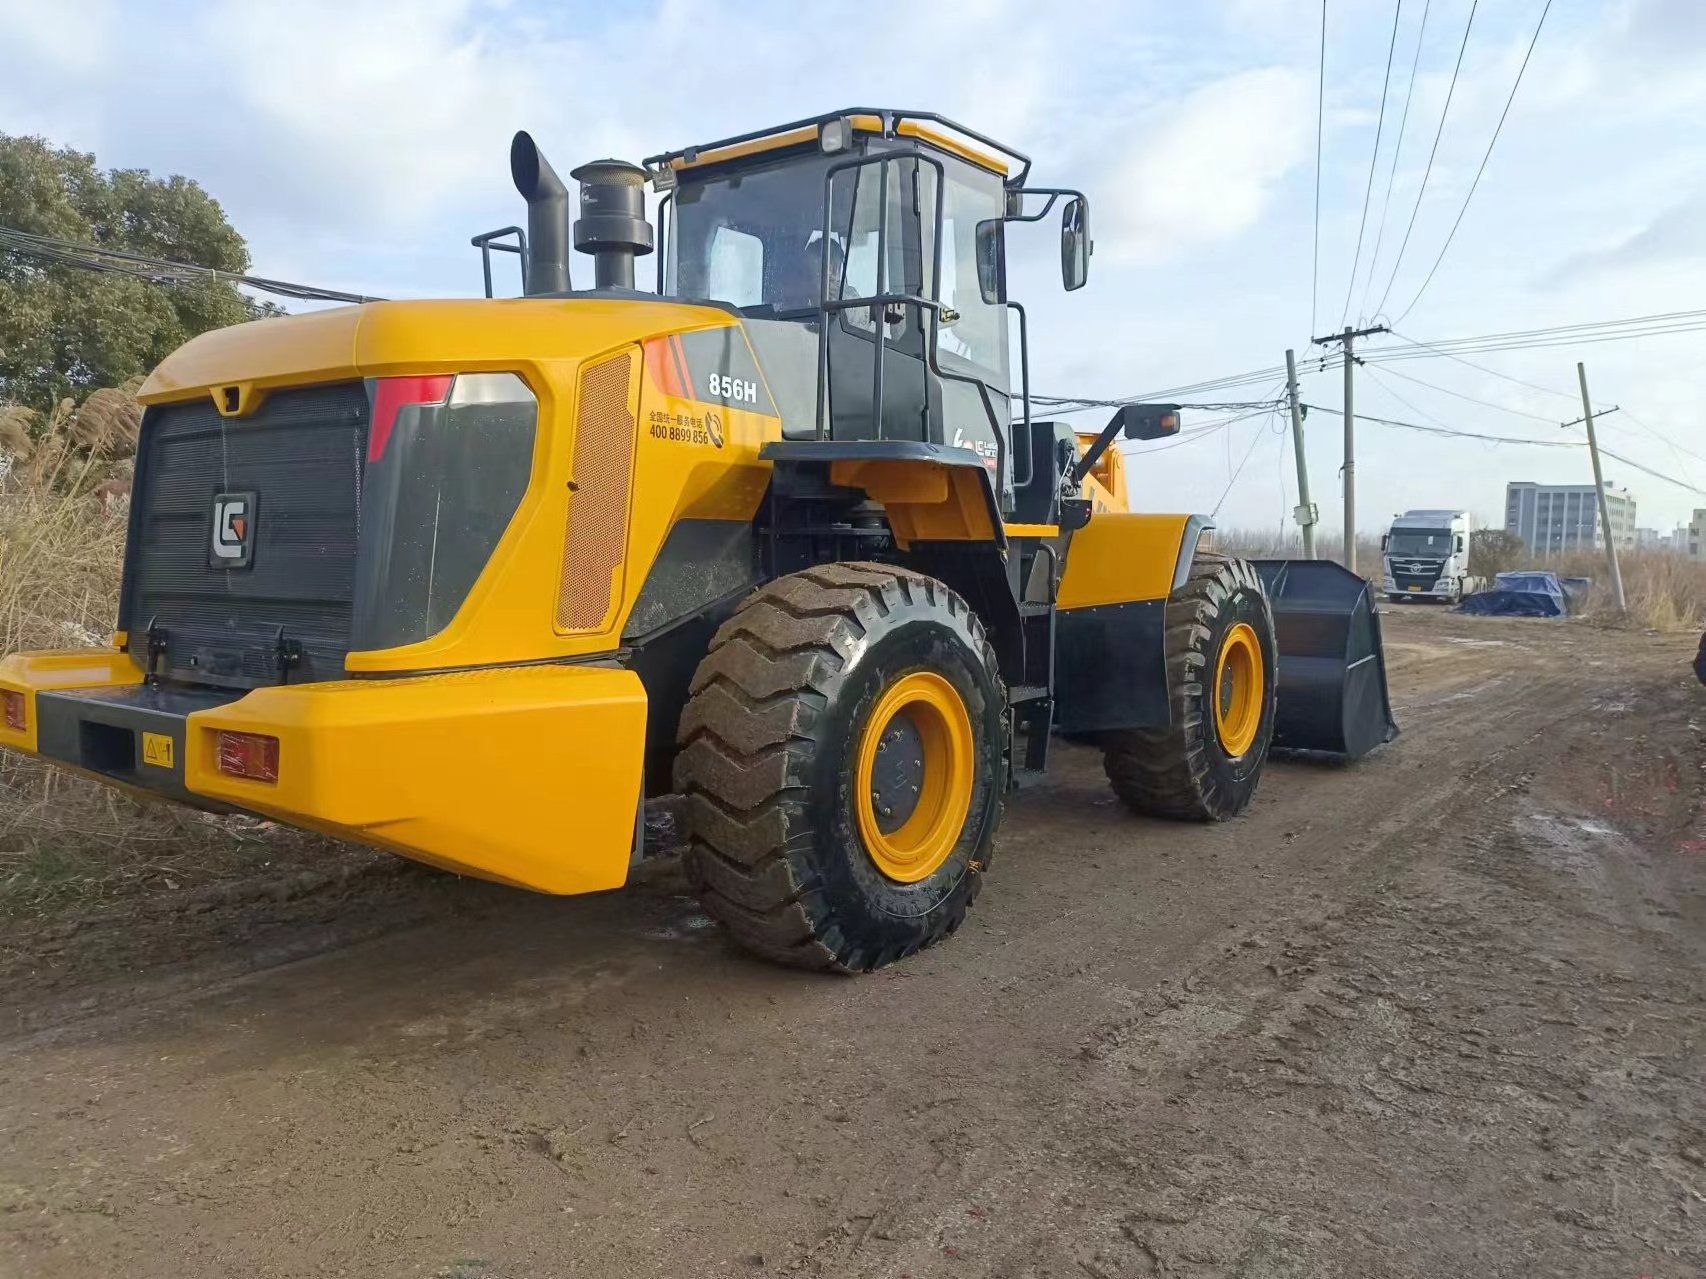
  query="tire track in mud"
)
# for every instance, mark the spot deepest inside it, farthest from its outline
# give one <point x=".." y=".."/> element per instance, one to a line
<point x="1076" y="1084"/>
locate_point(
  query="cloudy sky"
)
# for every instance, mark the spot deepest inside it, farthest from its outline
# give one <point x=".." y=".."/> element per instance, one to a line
<point x="358" y="143"/>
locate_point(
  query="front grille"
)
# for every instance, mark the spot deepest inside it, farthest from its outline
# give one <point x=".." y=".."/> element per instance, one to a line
<point x="1421" y="574"/>
<point x="301" y="455"/>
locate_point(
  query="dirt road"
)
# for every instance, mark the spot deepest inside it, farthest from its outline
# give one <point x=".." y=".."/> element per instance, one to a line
<point x="1440" y="1014"/>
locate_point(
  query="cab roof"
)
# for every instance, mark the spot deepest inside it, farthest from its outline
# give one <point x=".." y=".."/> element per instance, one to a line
<point x="926" y="126"/>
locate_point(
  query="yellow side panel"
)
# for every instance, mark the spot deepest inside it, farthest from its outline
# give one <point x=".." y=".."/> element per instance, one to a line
<point x="925" y="501"/>
<point x="529" y="776"/>
<point x="44" y="672"/>
<point x="1105" y="486"/>
<point x="1117" y="558"/>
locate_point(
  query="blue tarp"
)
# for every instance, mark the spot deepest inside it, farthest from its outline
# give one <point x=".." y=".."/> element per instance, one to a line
<point x="1520" y="595"/>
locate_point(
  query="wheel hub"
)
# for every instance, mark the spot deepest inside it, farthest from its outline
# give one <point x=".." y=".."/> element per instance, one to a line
<point x="1239" y="689"/>
<point x="897" y="774"/>
<point x="914" y="770"/>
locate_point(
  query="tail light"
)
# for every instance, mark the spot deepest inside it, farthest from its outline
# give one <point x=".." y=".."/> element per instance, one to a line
<point x="391" y="395"/>
<point x="250" y="755"/>
<point x="14" y="707"/>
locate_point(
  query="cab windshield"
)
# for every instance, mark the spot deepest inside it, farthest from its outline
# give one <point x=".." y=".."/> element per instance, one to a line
<point x="754" y="239"/>
<point x="1432" y="543"/>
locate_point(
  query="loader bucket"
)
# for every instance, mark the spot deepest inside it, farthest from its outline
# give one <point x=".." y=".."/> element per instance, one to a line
<point x="1332" y="668"/>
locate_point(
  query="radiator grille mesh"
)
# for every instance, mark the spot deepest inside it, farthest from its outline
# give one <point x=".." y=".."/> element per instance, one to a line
<point x="598" y="511"/>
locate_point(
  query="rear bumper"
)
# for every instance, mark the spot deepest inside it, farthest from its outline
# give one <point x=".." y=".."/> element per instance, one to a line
<point x="530" y="776"/>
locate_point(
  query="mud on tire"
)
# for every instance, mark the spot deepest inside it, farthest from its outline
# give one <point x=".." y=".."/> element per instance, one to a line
<point x="767" y="757"/>
<point x="1184" y="771"/>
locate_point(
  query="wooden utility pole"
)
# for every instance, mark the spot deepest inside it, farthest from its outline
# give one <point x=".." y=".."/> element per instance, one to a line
<point x="1345" y="338"/>
<point x="1599" y="489"/>
<point x="1305" y="514"/>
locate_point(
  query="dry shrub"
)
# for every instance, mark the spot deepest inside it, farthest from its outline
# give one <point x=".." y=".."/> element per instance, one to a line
<point x="66" y="841"/>
<point x="17" y="433"/>
<point x="1665" y="592"/>
<point x="107" y="424"/>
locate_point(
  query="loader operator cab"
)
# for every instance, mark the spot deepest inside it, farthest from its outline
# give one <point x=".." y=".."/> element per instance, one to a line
<point x="866" y="254"/>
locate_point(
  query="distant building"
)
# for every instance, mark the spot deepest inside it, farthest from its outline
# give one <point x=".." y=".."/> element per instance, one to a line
<point x="1565" y="517"/>
<point x="1649" y="539"/>
<point x="1693" y="538"/>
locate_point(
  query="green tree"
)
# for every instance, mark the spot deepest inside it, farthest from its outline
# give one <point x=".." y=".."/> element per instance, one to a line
<point x="65" y="330"/>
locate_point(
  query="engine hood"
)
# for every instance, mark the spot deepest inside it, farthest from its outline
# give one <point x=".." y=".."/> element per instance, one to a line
<point x="379" y="339"/>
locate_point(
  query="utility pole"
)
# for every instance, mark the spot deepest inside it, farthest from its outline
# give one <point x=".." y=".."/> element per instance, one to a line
<point x="1305" y="514"/>
<point x="1350" y="469"/>
<point x="1599" y="488"/>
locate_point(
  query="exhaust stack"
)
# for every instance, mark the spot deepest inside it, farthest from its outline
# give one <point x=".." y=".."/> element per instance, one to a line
<point x="547" y="216"/>
<point x="612" y="226"/>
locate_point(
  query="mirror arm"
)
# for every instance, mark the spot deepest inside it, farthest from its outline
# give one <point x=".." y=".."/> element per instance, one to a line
<point x="1054" y="194"/>
<point x="1093" y="454"/>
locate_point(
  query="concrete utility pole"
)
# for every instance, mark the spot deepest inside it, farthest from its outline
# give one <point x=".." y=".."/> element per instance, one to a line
<point x="1346" y="338"/>
<point x="1305" y="513"/>
<point x="1599" y="488"/>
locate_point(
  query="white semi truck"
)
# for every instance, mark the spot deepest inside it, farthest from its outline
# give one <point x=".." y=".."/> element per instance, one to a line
<point x="1425" y="556"/>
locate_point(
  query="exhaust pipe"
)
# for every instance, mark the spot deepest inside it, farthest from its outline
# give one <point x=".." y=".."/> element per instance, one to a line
<point x="612" y="225"/>
<point x="547" y="216"/>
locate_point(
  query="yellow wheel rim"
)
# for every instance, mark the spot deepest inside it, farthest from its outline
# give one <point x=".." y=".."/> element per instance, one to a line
<point x="913" y="781"/>
<point x="1238" y="688"/>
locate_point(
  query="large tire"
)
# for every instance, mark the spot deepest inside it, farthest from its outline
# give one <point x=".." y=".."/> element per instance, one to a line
<point x="1205" y="765"/>
<point x="778" y="733"/>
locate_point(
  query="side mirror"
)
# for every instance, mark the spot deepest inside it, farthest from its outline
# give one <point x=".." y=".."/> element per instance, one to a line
<point x="989" y="273"/>
<point x="1075" y="244"/>
<point x="1147" y="421"/>
<point x="1384" y="539"/>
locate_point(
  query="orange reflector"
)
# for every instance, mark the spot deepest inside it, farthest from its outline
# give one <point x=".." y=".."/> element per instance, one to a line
<point x="248" y="755"/>
<point x="14" y="709"/>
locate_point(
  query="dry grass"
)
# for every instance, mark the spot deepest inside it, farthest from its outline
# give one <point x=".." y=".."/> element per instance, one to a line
<point x="66" y="842"/>
<point x="1665" y="592"/>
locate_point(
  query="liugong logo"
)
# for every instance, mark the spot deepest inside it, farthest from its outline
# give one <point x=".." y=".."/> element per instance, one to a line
<point x="233" y="530"/>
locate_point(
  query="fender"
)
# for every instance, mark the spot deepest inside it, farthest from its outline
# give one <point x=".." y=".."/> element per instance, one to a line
<point x="1111" y="629"/>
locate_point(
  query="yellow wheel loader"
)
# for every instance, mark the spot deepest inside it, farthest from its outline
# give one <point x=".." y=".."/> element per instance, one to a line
<point x="778" y="543"/>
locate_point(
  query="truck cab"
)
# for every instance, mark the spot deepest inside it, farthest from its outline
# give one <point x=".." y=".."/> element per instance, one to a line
<point x="1425" y="556"/>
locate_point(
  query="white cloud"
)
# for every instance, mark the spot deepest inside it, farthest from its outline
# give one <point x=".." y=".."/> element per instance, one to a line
<point x="1205" y="167"/>
<point x="69" y="35"/>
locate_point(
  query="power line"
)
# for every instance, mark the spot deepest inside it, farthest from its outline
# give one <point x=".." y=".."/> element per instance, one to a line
<point x="1663" y="317"/>
<point x="1511" y="439"/>
<point x="1553" y="340"/>
<point x="1255" y="439"/>
<point x="1380" y="380"/>
<point x="1497" y="129"/>
<point x="1438" y="133"/>
<point x="1533" y="386"/>
<point x="1486" y="404"/>
<point x="1452" y="431"/>
<point x="1373" y="160"/>
<point x="1397" y="150"/>
<point x="1669" y="443"/>
<point x="1531" y="339"/>
<point x="1320" y="103"/>
<point x="1207" y="387"/>
<point x="92" y="257"/>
